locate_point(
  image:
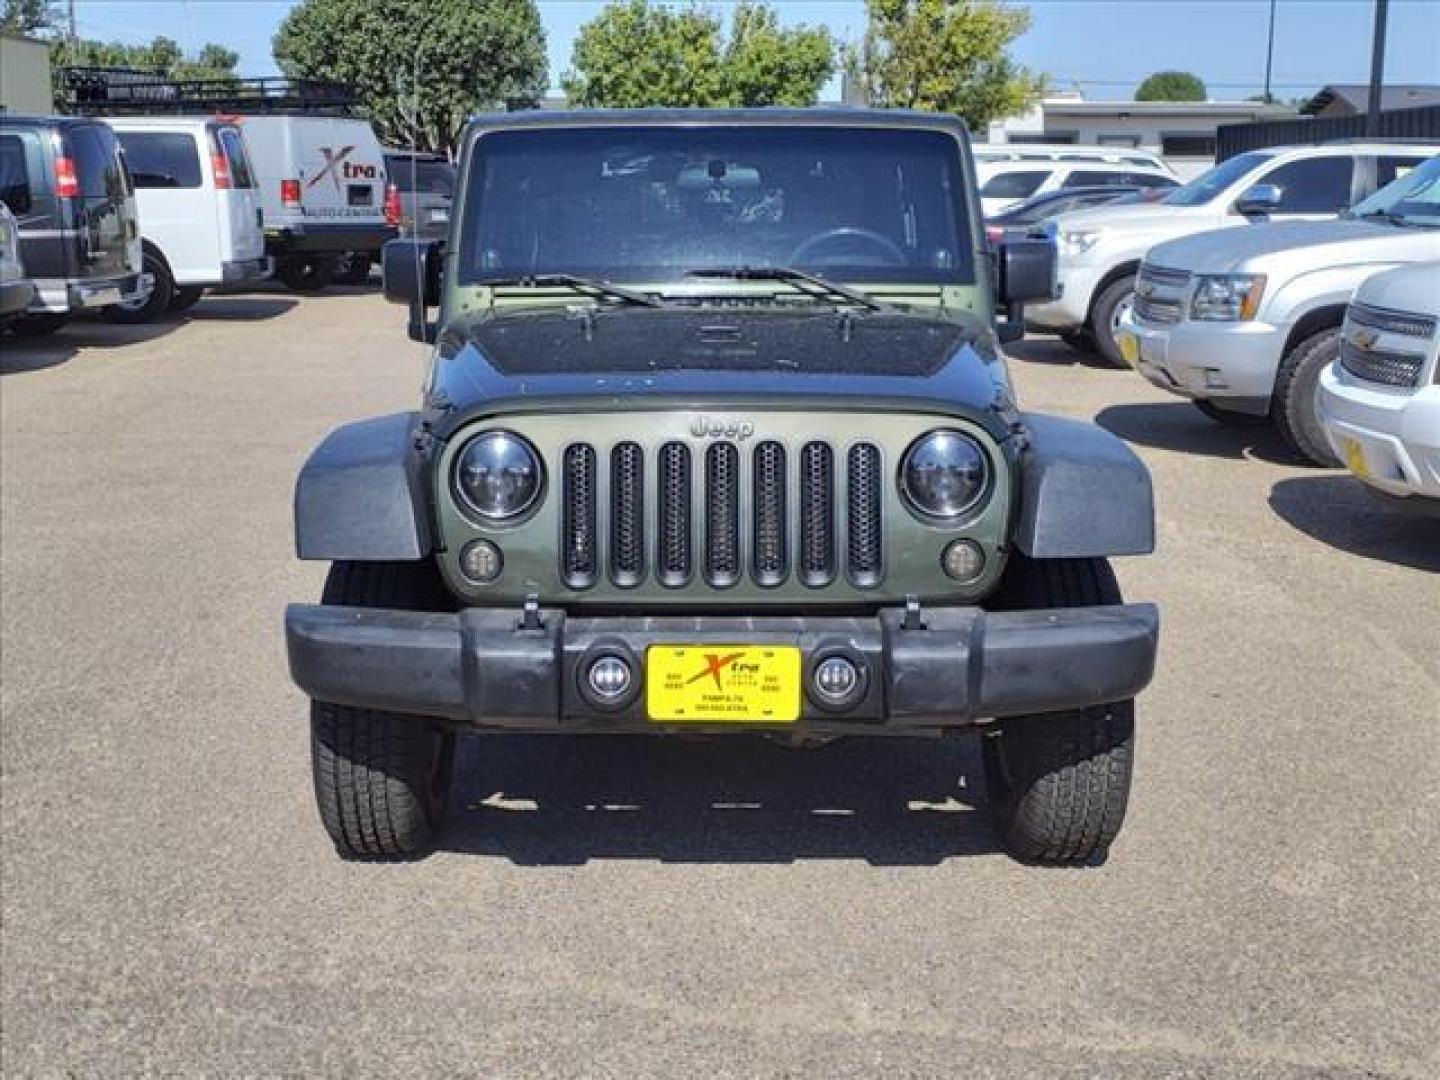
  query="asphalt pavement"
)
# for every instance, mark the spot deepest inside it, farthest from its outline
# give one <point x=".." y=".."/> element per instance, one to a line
<point x="628" y="908"/>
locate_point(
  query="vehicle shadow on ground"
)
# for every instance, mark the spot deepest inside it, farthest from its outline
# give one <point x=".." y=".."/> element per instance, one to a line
<point x="1181" y="427"/>
<point x="21" y="354"/>
<point x="237" y="308"/>
<point x="1054" y="353"/>
<point x="546" y="800"/>
<point x="1337" y="510"/>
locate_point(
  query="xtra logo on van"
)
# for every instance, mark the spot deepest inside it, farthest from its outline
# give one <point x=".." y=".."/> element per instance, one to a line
<point x="336" y="167"/>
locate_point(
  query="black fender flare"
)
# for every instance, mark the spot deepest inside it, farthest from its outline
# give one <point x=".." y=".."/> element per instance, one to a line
<point x="1083" y="493"/>
<point x="362" y="494"/>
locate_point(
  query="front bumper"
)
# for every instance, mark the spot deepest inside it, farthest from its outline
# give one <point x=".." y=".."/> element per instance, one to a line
<point x="1388" y="437"/>
<point x="494" y="668"/>
<point x="1232" y="364"/>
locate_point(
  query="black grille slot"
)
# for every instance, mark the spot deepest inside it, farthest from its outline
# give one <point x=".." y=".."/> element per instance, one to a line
<point x="577" y="518"/>
<point x="722" y="515"/>
<point x="672" y="558"/>
<point x="1381" y="365"/>
<point x="627" y="514"/>
<point x="817" y="514"/>
<point x="769" y="540"/>
<point x="863" y="508"/>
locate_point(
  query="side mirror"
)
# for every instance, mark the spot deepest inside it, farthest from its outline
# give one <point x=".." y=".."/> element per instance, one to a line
<point x="1027" y="272"/>
<point x="410" y="272"/>
<point x="1259" y="201"/>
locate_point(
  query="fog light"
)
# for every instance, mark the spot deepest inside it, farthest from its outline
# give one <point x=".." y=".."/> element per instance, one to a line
<point x="963" y="560"/>
<point x="836" y="679"/>
<point x="481" y="561"/>
<point x="609" y="678"/>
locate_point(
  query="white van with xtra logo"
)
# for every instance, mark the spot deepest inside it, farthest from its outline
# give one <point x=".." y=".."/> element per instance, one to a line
<point x="322" y="187"/>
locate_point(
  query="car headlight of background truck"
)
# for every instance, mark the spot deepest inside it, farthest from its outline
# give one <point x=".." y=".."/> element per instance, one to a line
<point x="1227" y="297"/>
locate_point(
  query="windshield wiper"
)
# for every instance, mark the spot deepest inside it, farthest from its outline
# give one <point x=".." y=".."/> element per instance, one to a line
<point x="599" y="290"/>
<point x="812" y="284"/>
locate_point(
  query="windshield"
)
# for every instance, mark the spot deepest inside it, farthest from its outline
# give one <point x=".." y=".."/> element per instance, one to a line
<point x="1211" y="183"/>
<point x="1413" y="198"/>
<point x="649" y="204"/>
<point x="421" y="176"/>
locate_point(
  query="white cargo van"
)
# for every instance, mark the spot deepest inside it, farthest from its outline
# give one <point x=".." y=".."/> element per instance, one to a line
<point x="199" y="210"/>
<point x="322" y="187"/>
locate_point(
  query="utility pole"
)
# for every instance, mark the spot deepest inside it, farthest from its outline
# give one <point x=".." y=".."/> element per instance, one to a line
<point x="71" y="6"/>
<point x="1269" y="54"/>
<point x="1377" y="68"/>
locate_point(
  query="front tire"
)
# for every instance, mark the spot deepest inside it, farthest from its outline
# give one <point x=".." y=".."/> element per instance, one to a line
<point x="1297" y="384"/>
<point x="154" y="305"/>
<point x="1059" y="783"/>
<point x="1113" y="302"/>
<point x="382" y="780"/>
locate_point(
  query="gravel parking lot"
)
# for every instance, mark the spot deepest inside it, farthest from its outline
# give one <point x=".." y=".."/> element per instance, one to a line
<point x="628" y="908"/>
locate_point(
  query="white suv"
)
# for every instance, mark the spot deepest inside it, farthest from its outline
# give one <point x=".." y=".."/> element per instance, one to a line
<point x="1101" y="249"/>
<point x="199" y="210"/>
<point x="1380" y="402"/>
<point x="1004" y="184"/>
<point x="1242" y="321"/>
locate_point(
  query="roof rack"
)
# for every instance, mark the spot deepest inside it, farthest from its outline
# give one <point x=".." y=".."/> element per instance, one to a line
<point x="102" y="91"/>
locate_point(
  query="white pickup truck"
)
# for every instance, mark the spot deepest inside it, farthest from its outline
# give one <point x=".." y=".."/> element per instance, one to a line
<point x="1242" y="321"/>
<point x="1101" y="249"/>
<point x="1380" y="403"/>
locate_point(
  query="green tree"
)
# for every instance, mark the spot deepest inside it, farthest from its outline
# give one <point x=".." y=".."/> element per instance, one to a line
<point x="420" y="67"/>
<point x="765" y="64"/>
<point x="27" y="16"/>
<point x="1171" y="86"/>
<point x="945" y="56"/>
<point x="636" y="54"/>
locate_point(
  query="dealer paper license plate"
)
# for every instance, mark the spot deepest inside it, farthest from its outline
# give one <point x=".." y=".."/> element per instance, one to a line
<point x="1355" y="458"/>
<point x="733" y="684"/>
<point x="1129" y="347"/>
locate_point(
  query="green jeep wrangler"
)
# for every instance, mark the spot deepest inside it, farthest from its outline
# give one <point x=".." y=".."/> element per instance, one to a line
<point x="718" y="437"/>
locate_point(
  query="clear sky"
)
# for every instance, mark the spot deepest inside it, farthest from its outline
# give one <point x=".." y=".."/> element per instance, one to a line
<point x="1104" y="47"/>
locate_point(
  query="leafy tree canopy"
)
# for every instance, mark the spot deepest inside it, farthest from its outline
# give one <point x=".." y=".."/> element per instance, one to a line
<point x="420" y="67"/>
<point x="945" y="56"/>
<point x="1171" y="86"/>
<point x="27" y="16"/>
<point x="636" y="54"/>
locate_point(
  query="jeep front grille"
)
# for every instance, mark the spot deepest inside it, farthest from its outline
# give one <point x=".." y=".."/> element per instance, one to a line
<point x="731" y="503"/>
<point x="1381" y="365"/>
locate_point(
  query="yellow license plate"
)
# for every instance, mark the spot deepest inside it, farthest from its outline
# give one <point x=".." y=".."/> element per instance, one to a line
<point x="1355" y="458"/>
<point x="1129" y="347"/>
<point x="733" y="684"/>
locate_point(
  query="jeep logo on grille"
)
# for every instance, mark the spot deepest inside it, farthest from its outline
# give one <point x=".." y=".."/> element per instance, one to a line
<point x="708" y="427"/>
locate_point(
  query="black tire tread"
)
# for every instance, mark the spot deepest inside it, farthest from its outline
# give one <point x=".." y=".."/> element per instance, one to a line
<point x="157" y="304"/>
<point x="1099" y="325"/>
<point x="1060" y="783"/>
<point x="1293" y="404"/>
<point x="373" y="770"/>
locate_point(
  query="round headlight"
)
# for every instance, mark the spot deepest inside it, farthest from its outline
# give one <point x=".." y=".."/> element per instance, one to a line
<point x="498" y="475"/>
<point x="944" y="474"/>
